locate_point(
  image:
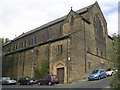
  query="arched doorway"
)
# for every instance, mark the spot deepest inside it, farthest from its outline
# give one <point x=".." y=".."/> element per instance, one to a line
<point x="60" y="71"/>
<point x="60" y="74"/>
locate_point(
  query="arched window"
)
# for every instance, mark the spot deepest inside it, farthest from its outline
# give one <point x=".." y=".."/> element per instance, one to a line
<point x="99" y="36"/>
<point x="98" y="28"/>
<point x="71" y="20"/>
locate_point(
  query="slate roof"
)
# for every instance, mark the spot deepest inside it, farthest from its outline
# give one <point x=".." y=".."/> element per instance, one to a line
<point x="51" y="23"/>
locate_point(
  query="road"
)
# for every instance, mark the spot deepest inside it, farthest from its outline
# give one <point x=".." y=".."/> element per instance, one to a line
<point x="103" y="83"/>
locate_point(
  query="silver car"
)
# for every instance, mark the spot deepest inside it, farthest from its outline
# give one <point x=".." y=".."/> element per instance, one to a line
<point x="7" y="80"/>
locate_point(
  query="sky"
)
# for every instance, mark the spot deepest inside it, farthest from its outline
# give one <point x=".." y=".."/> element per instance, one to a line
<point x="18" y="16"/>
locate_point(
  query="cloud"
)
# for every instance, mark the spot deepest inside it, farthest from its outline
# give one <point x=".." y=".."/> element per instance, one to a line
<point x="18" y="16"/>
<point x="113" y="23"/>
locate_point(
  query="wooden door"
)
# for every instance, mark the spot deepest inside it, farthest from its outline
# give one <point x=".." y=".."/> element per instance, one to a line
<point x="60" y="74"/>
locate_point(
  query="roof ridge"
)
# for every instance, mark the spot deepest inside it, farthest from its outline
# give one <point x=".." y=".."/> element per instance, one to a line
<point x="51" y="23"/>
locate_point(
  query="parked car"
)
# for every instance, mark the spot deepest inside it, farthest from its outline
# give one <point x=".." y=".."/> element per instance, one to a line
<point x="34" y="80"/>
<point x="7" y="80"/>
<point x="25" y="81"/>
<point x="49" y="80"/>
<point x="111" y="71"/>
<point x="0" y="81"/>
<point x="97" y="74"/>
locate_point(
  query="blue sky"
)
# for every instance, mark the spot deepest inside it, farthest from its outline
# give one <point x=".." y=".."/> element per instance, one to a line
<point x="18" y="16"/>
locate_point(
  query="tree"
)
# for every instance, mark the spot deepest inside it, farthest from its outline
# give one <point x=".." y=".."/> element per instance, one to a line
<point x="119" y="60"/>
<point x="4" y="41"/>
<point x="39" y="72"/>
<point x="115" y="59"/>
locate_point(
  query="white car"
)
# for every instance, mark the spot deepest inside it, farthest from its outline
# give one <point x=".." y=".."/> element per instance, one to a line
<point x="8" y="80"/>
<point x="111" y="71"/>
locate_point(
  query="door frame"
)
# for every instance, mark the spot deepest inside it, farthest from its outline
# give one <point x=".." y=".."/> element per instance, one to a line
<point x="60" y="64"/>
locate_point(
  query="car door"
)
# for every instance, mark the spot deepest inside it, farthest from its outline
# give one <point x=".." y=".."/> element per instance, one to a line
<point x="101" y="74"/>
<point x="46" y="80"/>
<point x="43" y="80"/>
<point x="21" y="80"/>
<point x="104" y="73"/>
<point x="3" y="81"/>
<point x="26" y="80"/>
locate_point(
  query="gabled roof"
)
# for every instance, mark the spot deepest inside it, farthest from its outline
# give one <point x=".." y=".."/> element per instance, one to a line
<point x="80" y="11"/>
<point x="52" y="23"/>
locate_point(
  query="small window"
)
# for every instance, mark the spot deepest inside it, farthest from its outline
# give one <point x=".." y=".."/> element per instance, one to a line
<point x="29" y="42"/>
<point x="9" y="49"/>
<point x="71" y="20"/>
<point x="88" y="50"/>
<point x="15" y="47"/>
<point x="97" y="50"/>
<point x="45" y="35"/>
<point x="58" y="50"/>
<point x="35" y="39"/>
<point x="49" y="34"/>
<point x="60" y="31"/>
<point x="32" y="41"/>
<point x="18" y="46"/>
<point x="25" y="43"/>
<point x="61" y="49"/>
<point x="22" y="44"/>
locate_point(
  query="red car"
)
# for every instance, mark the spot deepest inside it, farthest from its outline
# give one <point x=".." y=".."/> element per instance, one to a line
<point x="49" y="80"/>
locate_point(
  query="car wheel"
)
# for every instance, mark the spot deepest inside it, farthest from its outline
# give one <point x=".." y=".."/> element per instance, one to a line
<point x="28" y="83"/>
<point x="99" y="78"/>
<point x="6" y="83"/>
<point x="105" y="76"/>
<point x="57" y="83"/>
<point x="49" y="83"/>
<point x="89" y="79"/>
<point x="39" y="83"/>
<point x="19" y="83"/>
<point x="112" y="74"/>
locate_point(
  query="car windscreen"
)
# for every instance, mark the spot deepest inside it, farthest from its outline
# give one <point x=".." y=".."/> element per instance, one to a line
<point x="5" y="78"/>
<point x="95" y="71"/>
<point x="53" y="76"/>
<point x="114" y="68"/>
<point x="45" y="77"/>
<point x="108" y="69"/>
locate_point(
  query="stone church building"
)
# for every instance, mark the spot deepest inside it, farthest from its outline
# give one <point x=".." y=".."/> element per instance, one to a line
<point x="74" y="45"/>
